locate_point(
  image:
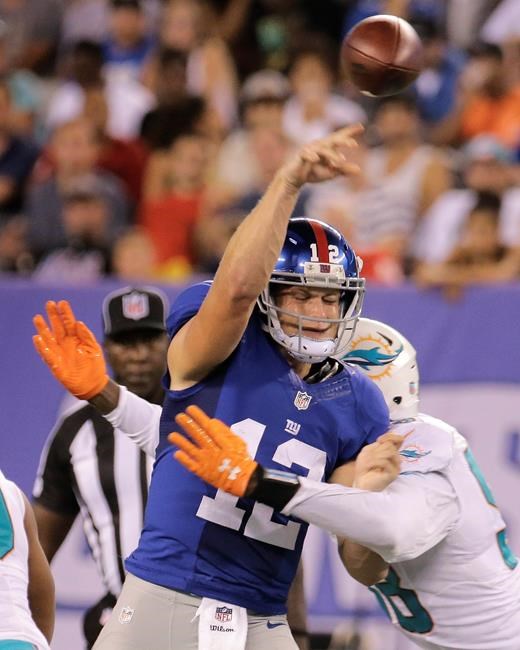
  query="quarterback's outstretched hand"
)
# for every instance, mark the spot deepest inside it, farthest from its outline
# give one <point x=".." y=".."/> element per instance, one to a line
<point x="70" y="350"/>
<point x="213" y="452"/>
<point x="324" y="159"/>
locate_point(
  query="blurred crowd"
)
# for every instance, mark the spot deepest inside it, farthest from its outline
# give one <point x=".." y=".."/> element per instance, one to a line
<point x="136" y="134"/>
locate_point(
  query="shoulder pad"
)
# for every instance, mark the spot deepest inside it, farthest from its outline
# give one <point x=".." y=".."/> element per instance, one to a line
<point x="429" y="446"/>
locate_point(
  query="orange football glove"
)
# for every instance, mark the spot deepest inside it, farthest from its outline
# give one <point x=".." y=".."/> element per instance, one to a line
<point x="70" y="350"/>
<point x="213" y="452"/>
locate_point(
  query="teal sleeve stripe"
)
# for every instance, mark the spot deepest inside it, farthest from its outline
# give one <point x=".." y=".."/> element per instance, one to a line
<point x="9" y="644"/>
<point x="6" y="529"/>
<point x="477" y="473"/>
<point x="509" y="557"/>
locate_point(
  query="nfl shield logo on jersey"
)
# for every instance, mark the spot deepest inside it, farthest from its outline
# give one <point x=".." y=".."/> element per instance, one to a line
<point x="136" y="305"/>
<point x="302" y="400"/>
<point x="223" y="614"/>
<point x="125" y="615"/>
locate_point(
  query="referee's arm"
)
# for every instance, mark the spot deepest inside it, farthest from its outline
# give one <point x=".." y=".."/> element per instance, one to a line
<point x="54" y="502"/>
<point x="53" y="528"/>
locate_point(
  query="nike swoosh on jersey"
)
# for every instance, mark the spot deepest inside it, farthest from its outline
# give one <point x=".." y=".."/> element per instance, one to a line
<point x="271" y="626"/>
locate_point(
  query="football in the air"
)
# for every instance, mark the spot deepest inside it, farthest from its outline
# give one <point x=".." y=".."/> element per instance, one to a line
<point x="382" y="55"/>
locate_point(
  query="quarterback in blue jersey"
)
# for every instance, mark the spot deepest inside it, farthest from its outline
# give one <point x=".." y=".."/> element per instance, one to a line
<point x="254" y="347"/>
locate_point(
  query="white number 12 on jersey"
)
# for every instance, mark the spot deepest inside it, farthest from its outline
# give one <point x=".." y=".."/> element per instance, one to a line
<point x="222" y="509"/>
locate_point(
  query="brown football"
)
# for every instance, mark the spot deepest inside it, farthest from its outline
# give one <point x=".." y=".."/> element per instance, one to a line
<point x="382" y="55"/>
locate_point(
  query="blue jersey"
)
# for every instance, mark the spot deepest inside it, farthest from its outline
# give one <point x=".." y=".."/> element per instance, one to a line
<point x="206" y="542"/>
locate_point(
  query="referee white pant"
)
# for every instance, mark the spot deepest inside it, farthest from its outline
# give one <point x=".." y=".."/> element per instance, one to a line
<point x="150" y="617"/>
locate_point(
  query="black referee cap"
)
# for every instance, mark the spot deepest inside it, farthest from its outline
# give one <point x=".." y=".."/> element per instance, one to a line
<point x="134" y="309"/>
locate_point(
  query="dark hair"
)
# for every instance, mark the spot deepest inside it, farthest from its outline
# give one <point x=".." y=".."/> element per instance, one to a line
<point x="87" y="48"/>
<point x="190" y="132"/>
<point x="319" y="47"/>
<point x="406" y="100"/>
<point x="488" y="202"/>
<point x="171" y="56"/>
<point x="126" y="4"/>
<point x="83" y="198"/>
<point x="162" y="125"/>
<point x="428" y="28"/>
<point x="486" y="51"/>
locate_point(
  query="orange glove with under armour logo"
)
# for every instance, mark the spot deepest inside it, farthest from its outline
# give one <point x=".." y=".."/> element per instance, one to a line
<point x="70" y="350"/>
<point x="213" y="452"/>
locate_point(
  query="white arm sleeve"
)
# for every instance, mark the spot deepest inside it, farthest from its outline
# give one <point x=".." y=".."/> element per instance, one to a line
<point x="400" y="523"/>
<point x="138" y="419"/>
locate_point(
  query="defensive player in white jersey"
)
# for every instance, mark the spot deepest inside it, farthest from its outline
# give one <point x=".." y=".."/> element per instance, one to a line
<point x="432" y="543"/>
<point x="26" y="584"/>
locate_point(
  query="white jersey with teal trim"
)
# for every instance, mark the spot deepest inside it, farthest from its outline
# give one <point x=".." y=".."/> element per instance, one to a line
<point x="16" y="623"/>
<point x="453" y="584"/>
<point x="464" y="592"/>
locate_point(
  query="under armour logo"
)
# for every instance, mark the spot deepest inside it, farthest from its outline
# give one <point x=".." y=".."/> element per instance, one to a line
<point x="233" y="472"/>
<point x="225" y="465"/>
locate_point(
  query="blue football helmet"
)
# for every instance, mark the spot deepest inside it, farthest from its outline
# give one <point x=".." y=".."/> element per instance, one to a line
<point x="318" y="256"/>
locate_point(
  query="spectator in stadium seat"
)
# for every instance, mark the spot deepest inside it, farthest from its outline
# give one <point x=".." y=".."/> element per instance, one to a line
<point x="73" y="149"/>
<point x="487" y="103"/>
<point x="85" y="257"/>
<point x="314" y="110"/>
<point x="33" y="33"/>
<point x="175" y="107"/>
<point x="437" y="85"/>
<point x="262" y="99"/>
<point x="173" y="203"/>
<point x="486" y="166"/>
<point x="479" y="257"/>
<point x="170" y="84"/>
<point x="17" y="158"/>
<point x="128" y="44"/>
<point x="25" y="89"/>
<point x="125" y="159"/>
<point x="190" y="26"/>
<point x="401" y="177"/>
<point x="133" y="256"/>
<point x="127" y="99"/>
<point x="269" y="148"/>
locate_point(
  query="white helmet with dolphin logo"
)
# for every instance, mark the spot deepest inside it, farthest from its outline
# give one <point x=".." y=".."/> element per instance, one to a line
<point x="389" y="359"/>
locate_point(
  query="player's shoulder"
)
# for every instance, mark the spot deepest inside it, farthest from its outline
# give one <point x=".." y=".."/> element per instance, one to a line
<point x="358" y="378"/>
<point x="192" y="294"/>
<point x="11" y="491"/>
<point x="186" y="304"/>
<point x="370" y="405"/>
<point x="429" y="446"/>
<point x="362" y="386"/>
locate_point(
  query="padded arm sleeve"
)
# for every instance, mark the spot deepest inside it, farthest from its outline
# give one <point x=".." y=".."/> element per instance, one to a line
<point x="400" y="523"/>
<point x="138" y="419"/>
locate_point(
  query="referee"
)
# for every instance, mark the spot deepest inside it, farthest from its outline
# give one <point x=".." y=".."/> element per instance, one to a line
<point x="89" y="468"/>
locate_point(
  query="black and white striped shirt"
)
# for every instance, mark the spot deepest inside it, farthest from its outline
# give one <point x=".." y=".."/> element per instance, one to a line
<point x="90" y="467"/>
